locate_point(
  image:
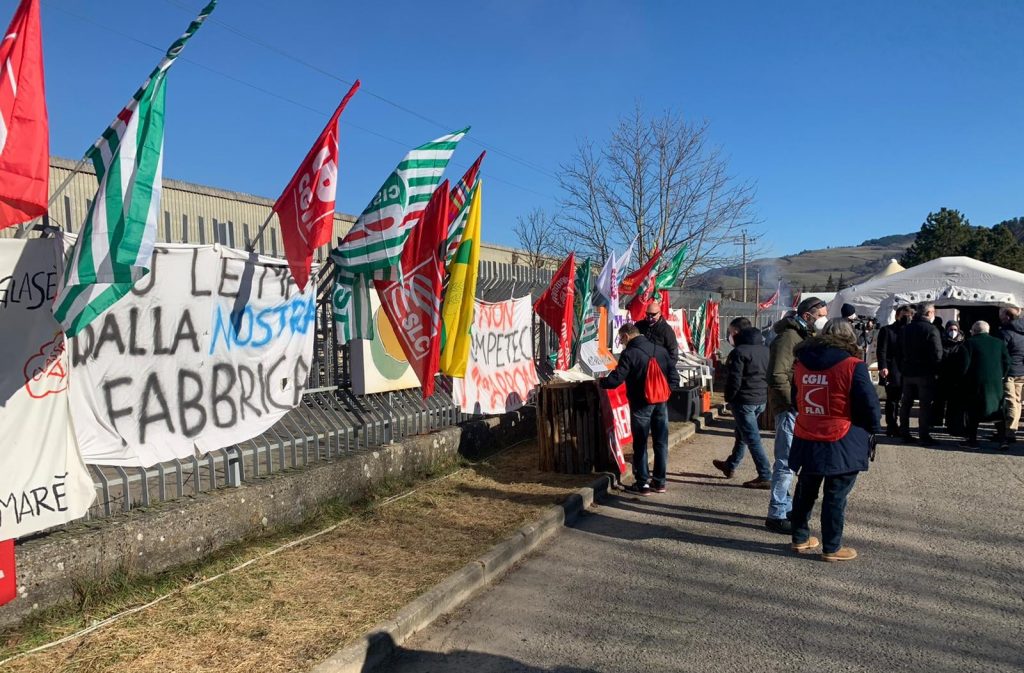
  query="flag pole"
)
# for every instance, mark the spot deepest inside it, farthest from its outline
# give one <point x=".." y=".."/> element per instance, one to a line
<point x="259" y="232"/>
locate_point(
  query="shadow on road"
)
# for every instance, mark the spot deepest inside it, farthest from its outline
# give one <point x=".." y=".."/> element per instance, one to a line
<point x="458" y="661"/>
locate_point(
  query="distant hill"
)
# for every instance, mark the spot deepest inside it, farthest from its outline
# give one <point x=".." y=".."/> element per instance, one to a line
<point x="809" y="270"/>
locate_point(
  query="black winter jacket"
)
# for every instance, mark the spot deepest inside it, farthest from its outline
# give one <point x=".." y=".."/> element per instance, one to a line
<point x="632" y="370"/>
<point x="747" y="369"/>
<point x="660" y="333"/>
<point x="1013" y="336"/>
<point x="888" y="352"/>
<point x="920" y="348"/>
<point x="850" y="453"/>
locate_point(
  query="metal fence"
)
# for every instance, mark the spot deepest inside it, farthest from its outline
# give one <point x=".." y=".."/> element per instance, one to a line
<point x="331" y="421"/>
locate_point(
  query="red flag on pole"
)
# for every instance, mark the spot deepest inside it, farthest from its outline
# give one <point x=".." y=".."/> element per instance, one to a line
<point x="632" y="283"/>
<point x="413" y="303"/>
<point x="711" y="343"/>
<point x="687" y="333"/>
<point x="306" y="206"/>
<point x="770" y="301"/>
<point x="8" y="582"/>
<point x="796" y="299"/>
<point x="24" y="131"/>
<point x="555" y="307"/>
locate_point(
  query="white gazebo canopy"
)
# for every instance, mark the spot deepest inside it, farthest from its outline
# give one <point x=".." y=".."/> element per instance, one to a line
<point x="893" y="267"/>
<point x="945" y="282"/>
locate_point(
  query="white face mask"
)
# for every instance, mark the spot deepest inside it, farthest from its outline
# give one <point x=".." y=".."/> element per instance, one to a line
<point x="820" y="323"/>
<point x="732" y="342"/>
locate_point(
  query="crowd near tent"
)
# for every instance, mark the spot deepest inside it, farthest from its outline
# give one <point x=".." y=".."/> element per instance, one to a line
<point x="976" y="288"/>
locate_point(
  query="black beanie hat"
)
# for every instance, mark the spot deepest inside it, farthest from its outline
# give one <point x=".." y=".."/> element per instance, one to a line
<point x="848" y="310"/>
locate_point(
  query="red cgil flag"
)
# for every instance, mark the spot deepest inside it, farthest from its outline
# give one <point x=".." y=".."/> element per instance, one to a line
<point x="413" y="303"/>
<point x="8" y="582"/>
<point x="770" y="301"/>
<point x="632" y="283"/>
<point x="555" y="307"/>
<point x="24" y="131"/>
<point x="306" y="206"/>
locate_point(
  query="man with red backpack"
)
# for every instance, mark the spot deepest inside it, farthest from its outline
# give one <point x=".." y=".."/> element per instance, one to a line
<point x="649" y="375"/>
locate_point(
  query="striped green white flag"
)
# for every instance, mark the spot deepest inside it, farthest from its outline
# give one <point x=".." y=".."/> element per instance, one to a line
<point x="374" y="245"/>
<point x="115" y="246"/>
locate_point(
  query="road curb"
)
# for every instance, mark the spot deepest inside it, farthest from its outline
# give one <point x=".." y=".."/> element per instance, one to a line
<point x="380" y="643"/>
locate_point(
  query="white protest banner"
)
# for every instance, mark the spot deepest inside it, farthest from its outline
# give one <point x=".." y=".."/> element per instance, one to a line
<point x="43" y="481"/>
<point x="210" y="349"/>
<point x="501" y="374"/>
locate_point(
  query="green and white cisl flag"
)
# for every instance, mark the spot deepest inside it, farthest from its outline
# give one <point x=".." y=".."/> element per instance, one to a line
<point x="115" y="246"/>
<point x="374" y="244"/>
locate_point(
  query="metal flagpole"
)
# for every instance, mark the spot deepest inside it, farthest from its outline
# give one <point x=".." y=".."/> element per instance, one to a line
<point x="259" y="232"/>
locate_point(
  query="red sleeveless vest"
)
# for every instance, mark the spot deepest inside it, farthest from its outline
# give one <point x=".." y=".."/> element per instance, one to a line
<point x="823" y="401"/>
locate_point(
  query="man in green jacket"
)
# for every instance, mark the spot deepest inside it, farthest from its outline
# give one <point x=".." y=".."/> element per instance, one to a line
<point x="790" y="332"/>
<point x="986" y="365"/>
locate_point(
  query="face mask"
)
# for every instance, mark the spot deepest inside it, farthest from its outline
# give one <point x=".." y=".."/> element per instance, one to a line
<point x="952" y="334"/>
<point x="820" y="323"/>
<point x="732" y="342"/>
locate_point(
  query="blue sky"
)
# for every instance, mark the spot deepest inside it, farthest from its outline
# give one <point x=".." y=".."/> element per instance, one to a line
<point x="854" y="119"/>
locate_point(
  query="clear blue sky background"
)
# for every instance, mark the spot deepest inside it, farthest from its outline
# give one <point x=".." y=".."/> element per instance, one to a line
<point x="854" y="119"/>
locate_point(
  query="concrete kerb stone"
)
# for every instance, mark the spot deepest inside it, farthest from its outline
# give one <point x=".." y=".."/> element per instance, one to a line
<point x="380" y="643"/>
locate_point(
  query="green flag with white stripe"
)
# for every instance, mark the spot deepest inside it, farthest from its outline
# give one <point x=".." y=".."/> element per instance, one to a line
<point x="374" y="244"/>
<point x="115" y="245"/>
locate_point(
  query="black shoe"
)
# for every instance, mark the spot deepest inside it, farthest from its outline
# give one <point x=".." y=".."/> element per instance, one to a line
<point x="724" y="467"/>
<point x="908" y="439"/>
<point x="781" y="526"/>
<point x="892" y="432"/>
<point x="928" y="440"/>
<point x="970" y="444"/>
<point x="637" y="488"/>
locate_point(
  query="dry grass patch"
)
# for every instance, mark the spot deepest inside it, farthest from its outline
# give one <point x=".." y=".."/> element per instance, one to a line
<point x="289" y="611"/>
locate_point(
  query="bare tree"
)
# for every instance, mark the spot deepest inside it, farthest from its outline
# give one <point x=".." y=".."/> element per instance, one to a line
<point x="537" y="235"/>
<point x="659" y="180"/>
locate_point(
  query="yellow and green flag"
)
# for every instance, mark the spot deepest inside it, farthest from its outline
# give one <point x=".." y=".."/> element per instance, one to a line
<point x="457" y="308"/>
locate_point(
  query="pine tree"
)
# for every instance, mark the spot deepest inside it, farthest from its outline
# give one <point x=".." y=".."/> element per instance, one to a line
<point x="830" y="285"/>
<point x="841" y="285"/>
<point x="943" y="234"/>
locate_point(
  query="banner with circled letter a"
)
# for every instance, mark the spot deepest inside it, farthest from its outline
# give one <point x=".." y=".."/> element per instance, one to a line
<point x="615" y="416"/>
<point x="501" y="374"/>
<point x="43" y="481"/>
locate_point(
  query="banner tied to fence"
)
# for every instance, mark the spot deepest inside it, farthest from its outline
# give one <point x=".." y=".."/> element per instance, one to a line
<point x="501" y="374"/>
<point x="210" y="349"/>
<point x="43" y="481"/>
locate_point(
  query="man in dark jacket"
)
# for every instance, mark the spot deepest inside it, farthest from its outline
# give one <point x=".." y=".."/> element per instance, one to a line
<point x="1012" y="334"/>
<point x="790" y="332"/>
<point x="659" y="332"/>
<point x="920" y="355"/>
<point x="645" y="418"/>
<point x="986" y="364"/>
<point x="888" y="353"/>
<point x="746" y="392"/>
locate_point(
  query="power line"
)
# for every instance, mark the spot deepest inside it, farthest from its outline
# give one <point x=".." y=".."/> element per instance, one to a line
<point x="276" y="95"/>
<point x="312" y="66"/>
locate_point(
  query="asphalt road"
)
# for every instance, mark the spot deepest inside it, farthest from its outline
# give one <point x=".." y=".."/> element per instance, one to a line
<point x="691" y="581"/>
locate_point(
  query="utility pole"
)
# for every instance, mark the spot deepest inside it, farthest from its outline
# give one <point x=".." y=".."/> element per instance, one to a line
<point x="744" y="239"/>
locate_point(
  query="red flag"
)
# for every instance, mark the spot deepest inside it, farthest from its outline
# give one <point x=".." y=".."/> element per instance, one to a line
<point x="413" y="304"/>
<point x="711" y="343"/>
<point x="796" y="299"/>
<point x="666" y="305"/>
<point x="687" y="333"/>
<point x="8" y="582"/>
<point x="555" y="308"/>
<point x="463" y="188"/>
<point x="631" y="283"/>
<point x="306" y="206"/>
<point x="24" y="131"/>
<point x="770" y="301"/>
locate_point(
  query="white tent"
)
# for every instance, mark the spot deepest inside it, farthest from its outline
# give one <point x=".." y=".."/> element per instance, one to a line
<point x="945" y="282"/>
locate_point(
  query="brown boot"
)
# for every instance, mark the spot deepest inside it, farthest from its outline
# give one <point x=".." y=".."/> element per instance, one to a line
<point x="803" y="547"/>
<point x="841" y="554"/>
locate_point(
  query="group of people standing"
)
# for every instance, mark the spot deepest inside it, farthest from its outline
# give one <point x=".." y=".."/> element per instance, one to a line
<point x="815" y="384"/>
<point x="957" y="383"/>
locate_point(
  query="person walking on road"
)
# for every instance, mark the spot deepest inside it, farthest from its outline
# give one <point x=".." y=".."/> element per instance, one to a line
<point x="837" y="417"/>
<point x="746" y="392"/>
<point x="646" y="418"/>
<point x="1012" y="333"/>
<point x="790" y="331"/>
<point x="888" y="354"/>
<point x="920" y="355"/>
<point x="986" y="365"/>
<point x="657" y="330"/>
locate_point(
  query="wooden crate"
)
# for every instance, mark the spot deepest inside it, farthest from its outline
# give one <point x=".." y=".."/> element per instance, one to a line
<point x="570" y="432"/>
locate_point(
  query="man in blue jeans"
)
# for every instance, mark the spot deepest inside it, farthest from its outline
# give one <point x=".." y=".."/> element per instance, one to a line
<point x="746" y="391"/>
<point x="646" y="419"/>
<point x="790" y="332"/>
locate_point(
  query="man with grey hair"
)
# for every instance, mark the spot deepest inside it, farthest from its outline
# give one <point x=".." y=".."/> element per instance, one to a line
<point x="1011" y="331"/>
<point x="986" y="363"/>
<point x="920" y="355"/>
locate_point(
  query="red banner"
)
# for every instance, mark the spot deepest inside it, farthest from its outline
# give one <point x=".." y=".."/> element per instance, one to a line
<point x="770" y="301"/>
<point x="615" y="414"/>
<point x="555" y="307"/>
<point x="306" y="206"/>
<point x="8" y="581"/>
<point x="413" y="304"/>
<point x="631" y="283"/>
<point x="711" y="343"/>
<point x="24" y="130"/>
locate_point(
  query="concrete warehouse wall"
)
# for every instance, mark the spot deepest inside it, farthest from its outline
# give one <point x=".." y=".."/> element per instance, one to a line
<point x="198" y="214"/>
<point x="148" y="541"/>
